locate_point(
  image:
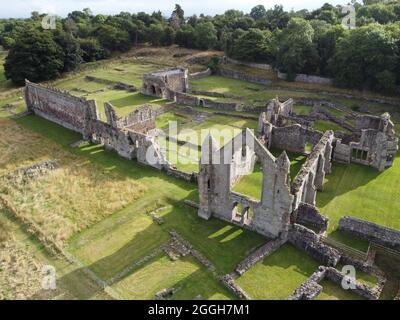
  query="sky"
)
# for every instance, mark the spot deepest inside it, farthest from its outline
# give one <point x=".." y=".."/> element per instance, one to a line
<point x="23" y="8"/>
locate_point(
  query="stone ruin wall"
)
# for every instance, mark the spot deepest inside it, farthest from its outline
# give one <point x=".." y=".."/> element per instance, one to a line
<point x="60" y="107"/>
<point x="374" y="143"/>
<point x="141" y="120"/>
<point x="271" y="215"/>
<point x="82" y="116"/>
<point x="307" y="240"/>
<point x="371" y="232"/>
<point x="311" y="288"/>
<point x="310" y="179"/>
<point x="161" y="83"/>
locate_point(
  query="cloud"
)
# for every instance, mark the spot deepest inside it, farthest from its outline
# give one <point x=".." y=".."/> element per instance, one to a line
<point x="23" y="8"/>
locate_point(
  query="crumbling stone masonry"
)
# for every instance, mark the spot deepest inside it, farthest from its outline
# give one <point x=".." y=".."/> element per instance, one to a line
<point x="311" y="287"/>
<point x="161" y="83"/>
<point x="312" y="174"/>
<point x="221" y="169"/>
<point x="141" y="120"/>
<point x="60" y="107"/>
<point x="132" y="137"/>
<point x="308" y="241"/>
<point x="375" y="143"/>
<point x="371" y="232"/>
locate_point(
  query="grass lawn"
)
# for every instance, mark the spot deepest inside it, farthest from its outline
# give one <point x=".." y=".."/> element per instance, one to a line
<point x="322" y="125"/>
<point x="130" y="73"/>
<point x="362" y="192"/>
<point x="302" y="110"/>
<point x="186" y="275"/>
<point x="124" y="101"/>
<point x="78" y="84"/>
<point x="278" y="275"/>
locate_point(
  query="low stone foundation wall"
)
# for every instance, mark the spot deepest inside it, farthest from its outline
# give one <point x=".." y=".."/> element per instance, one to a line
<point x="306" y="78"/>
<point x="307" y="214"/>
<point x="360" y="289"/>
<point x="262" y="66"/>
<point x="191" y="177"/>
<point x="311" y="288"/>
<point x="201" y="74"/>
<point x="308" y="241"/>
<point x="259" y="255"/>
<point x="244" y="77"/>
<point x="229" y="282"/>
<point x="371" y="232"/>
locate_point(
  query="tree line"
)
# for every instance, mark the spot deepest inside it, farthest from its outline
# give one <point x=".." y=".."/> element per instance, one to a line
<point x="311" y="42"/>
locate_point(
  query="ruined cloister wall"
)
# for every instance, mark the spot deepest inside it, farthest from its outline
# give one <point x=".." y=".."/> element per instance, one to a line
<point x="310" y="179"/>
<point x="371" y="232"/>
<point x="58" y="106"/>
<point x="82" y="116"/>
<point x="142" y="120"/>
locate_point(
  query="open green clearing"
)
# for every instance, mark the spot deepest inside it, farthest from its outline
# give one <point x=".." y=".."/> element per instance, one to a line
<point x="362" y="192"/>
<point x="124" y="101"/>
<point x="323" y="125"/>
<point x="278" y="275"/>
<point x="125" y="237"/>
<point x="156" y="275"/>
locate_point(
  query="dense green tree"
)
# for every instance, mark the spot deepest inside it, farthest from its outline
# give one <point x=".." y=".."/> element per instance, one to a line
<point x="113" y="39"/>
<point x="91" y="49"/>
<point x="185" y="37"/>
<point x="365" y="57"/>
<point x="34" y="56"/>
<point x="253" y="45"/>
<point x="205" y="35"/>
<point x="295" y="51"/>
<point x="258" y="12"/>
<point x="156" y="34"/>
<point x="177" y="17"/>
<point x="71" y="48"/>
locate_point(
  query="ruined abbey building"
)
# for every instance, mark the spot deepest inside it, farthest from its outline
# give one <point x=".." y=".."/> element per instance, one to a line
<point x="132" y="137"/>
<point x="286" y="211"/>
<point x="164" y="83"/>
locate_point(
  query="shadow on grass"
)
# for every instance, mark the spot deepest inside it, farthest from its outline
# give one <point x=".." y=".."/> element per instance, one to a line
<point x="224" y="254"/>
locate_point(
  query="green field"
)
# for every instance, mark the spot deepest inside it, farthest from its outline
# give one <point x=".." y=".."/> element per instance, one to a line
<point x="129" y="233"/>
<point x="124" y="101"/>
<point x="323" y="125"/>
<point x="362" y="192"/>
<point x="189" y="278"/>
<point x="278" y="275"/>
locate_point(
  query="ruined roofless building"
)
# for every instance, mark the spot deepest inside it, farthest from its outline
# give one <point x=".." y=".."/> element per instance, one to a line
<point x="375" y="145"/>
<point x="163" y="82"/>
<point x="221" y="169"/>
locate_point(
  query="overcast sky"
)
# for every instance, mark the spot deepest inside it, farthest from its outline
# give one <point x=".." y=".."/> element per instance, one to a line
<point x="23" y="8"/>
